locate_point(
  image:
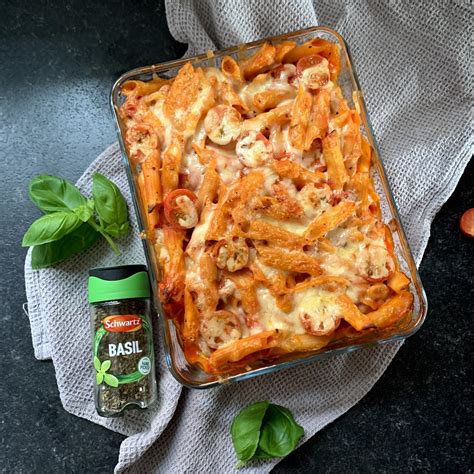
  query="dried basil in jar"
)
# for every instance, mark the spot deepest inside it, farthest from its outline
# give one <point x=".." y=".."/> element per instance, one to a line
<point x="122" y="338"/>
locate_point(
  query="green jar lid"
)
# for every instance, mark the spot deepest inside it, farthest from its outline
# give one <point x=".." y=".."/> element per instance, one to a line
<point x="118" y="283"/>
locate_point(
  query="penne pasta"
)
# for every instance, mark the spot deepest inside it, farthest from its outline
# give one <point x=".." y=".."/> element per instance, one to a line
<point x="245" y="283"/>
<point x="260" y="230"/>
<point x="152" y="183"/>
<point x="329" y="220"/>
<point x="392" y="311"/>
<point x="153" y="217"/>
<point x="277" y="286"/>
<point x="294" y="261"/>
<point x="190" y="96"/>
<point x="352" y="147"/>
<point x="171" y="165"/>
<point x="277" y="116"/>
<point x="300" y="116"/>
<point x="365" y="160"/>
<point x="299" y="174"/>
<point x="208" y="282"/>
<point x="322" y="280"/>
<point x="334" y="161"/>
<point x="229" y="96"/>
<point x="191" y="319"/>
<point x="259" y="61"/>
<point x="210" y="184"/>
<point x="279" y="208"/>
<point x="255" y="183"/>
<point x="360" y="183"/>
<point x="318" y="118"/>
<point x="172" y="286"/>
<point x="231" y="69"/>
<point x="302" y="343"/>
<point x="242" y="348"/>
<point x="141" y="88"/>
<point x="270" y="99"/>
<point x="350" y="313"/>
<point x="282" y="49"/>
<point x="398" y="282"/>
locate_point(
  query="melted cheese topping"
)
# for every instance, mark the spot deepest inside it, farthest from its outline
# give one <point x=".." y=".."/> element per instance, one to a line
<point x="352" y="247"/>
<point x="290" y="226"/>
<point x="309" y="302"/>
<point x="195" y="247"/>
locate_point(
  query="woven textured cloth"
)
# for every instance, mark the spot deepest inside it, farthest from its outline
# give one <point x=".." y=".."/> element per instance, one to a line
<point x="413" y="64"/>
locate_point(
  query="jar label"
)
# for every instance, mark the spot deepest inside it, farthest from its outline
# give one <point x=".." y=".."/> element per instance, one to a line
<point x="144" y="365"/>
<point x="123" y="349"/>
<point x="122" y="323"/>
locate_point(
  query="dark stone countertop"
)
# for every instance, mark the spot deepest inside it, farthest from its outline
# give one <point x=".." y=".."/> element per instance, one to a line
<point x="58" y="62"/>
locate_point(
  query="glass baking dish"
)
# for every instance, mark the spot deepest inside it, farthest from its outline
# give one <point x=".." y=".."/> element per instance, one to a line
<point x="192" y="375"/>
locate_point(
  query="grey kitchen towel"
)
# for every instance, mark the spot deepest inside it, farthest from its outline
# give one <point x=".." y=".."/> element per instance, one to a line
<point x="413" y="64"/>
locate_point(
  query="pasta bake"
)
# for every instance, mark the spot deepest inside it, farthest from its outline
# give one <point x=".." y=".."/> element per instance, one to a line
<point x="255" y="180"/>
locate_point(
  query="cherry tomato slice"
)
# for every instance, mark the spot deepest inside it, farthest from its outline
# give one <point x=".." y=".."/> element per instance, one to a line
<point x="181" y="209"/>
<point x="320" y="322"/>
<point x="254" y="149"/>
<point x="313" y="71"/>
<point x="375" y="264"/>
<point x="220" y="328"/>
<point x="232" y="254"/>
<point x="140" y="140"/>
<point x="223" y="124"/>
<point x="467" y="223"/>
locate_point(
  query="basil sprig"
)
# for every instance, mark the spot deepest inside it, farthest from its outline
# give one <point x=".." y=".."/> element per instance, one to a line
<point x="264" y="431"/>
<point x="72" y="223"/>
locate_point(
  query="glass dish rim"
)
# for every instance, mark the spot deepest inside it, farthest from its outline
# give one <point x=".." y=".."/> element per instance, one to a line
<point x="417" y="284"/>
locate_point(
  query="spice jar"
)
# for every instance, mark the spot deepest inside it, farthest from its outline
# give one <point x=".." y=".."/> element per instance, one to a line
<point x="122" y="338"/>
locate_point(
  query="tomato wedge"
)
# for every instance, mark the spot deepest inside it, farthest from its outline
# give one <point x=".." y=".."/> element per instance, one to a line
<point x="313" y="71"/>
<point x="467" y="223"/>
<point x="181" y="209"/>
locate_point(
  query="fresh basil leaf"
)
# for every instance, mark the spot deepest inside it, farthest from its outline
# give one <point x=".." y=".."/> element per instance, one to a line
<point x="84" y="212"/>
<point x="124" y="228"/>
<point x="113" y="230"/>
<point x="105" y="365"/>
<point x="109" y="202"/>
<point x="55" y="252"/>
<point x="116" y="230"/>
<point x="51" y="227"/>
<point x="99" y="377"/>
<point x="259" y="454"/>
<point x="245" y="430"/>
<point x="53" y="194"/>
<point x="280" y="433"/>
<point x="96" y="363"/>
<point x="111" y="380"/>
